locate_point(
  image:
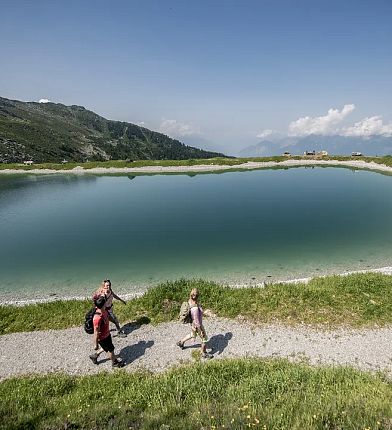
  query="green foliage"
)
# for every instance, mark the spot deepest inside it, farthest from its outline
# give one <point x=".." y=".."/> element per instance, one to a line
<point x="227" y="394"/>
<point x="356" y="300"/>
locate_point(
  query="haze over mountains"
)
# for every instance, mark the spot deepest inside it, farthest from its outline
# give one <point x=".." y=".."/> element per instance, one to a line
<point x="335" y="145"/>
<point x="52" y="132"/>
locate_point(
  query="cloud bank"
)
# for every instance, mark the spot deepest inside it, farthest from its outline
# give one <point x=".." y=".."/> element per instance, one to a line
<point x="321" y="125"/>
<point x="173" y="128"/>
<point x="371" y="126"/>
<point x="265" y="134"/>
<point x="330" y="125"/>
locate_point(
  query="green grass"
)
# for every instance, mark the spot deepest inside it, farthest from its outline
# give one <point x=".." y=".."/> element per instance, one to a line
<point x="356" y="300"/>
<point x="386" y="160"/>
<point x="236" y="394"/>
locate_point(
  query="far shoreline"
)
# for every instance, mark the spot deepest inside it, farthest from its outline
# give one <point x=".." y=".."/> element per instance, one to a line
<point x="249" y="165"/>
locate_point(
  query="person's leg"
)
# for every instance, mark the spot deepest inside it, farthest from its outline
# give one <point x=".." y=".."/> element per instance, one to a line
<point x="109" y="347"/>
<point x="191" y="335"/>
<point x="112" y="356"/>
<point x="114" y="319"/>
<point x="94" y="356"/>
<point x="186" y="338"/>
<point x="204" y="340"/>
<point x="115" y="361"/>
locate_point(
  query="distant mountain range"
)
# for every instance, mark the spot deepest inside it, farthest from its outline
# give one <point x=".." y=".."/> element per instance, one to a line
<point x="52" y="132"/>
<point x="335" y="145"/>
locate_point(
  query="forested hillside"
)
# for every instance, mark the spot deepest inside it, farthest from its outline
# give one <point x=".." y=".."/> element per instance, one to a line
<point x="52" y="132"/>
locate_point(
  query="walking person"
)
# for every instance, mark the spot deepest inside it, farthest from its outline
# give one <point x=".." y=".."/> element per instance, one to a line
<point x="106" y="290"/>
<point x="197" y="327"/>
<point x="102" y="336"/>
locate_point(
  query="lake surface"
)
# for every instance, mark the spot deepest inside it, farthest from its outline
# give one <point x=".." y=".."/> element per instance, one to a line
<point x="62" y="234"/>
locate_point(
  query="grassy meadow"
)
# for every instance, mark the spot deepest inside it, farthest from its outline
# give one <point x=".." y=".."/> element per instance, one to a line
<point x="355" y="300"/>
<point x="222" y="394"/>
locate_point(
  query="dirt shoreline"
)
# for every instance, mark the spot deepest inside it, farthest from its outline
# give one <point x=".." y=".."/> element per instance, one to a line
<point x="357" y="164"/>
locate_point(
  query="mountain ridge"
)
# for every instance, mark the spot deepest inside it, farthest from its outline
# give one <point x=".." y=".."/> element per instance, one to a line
<point x="52" y="132"/>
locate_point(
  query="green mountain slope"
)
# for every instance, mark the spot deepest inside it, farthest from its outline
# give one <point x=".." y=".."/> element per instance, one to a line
<point x="51" y="132"/>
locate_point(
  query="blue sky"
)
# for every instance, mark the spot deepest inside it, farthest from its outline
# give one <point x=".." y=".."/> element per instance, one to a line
<point x="221" y="74"/>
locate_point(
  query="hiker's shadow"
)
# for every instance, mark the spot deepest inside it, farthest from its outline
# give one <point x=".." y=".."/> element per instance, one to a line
<point x="219" y="342"/>
<point x="132" y="352"/>
<point x="134" y="325"/>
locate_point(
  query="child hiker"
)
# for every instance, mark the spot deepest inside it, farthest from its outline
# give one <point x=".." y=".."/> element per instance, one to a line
<point x="197" y="328"/>
<point x="102" y="336"/>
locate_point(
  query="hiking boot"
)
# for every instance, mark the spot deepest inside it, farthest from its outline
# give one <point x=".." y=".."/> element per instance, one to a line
<point x="180" y="345"/>
<point x="207" y="356"/>
<point x="94" y="358"/>
<point x="118" y="364"/>
<point x="121" y="334"/>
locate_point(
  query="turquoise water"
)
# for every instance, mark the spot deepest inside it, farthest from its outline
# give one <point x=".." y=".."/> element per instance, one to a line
<point x="62" y="234"/>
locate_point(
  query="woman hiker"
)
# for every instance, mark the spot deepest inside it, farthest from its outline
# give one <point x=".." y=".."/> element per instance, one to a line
<point x="197" y="328"/>
<point x="106" y="290"/>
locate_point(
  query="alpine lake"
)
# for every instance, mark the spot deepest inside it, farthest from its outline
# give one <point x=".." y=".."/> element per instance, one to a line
<point x="62" y="234"/>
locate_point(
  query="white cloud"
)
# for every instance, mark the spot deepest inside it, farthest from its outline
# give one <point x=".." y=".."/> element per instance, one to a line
<point x="321" y="125"/>
<point x="173" y="128"/>
<point x="370" y="126"/>
<point x="264" y="133"/>
<point x="142" y="124"/>
<point x="43" y="101"/>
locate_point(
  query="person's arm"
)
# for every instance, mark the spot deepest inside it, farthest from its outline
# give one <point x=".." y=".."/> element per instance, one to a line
<point x="97" y="330"/>
<point x="96" y="333"/>
<point x="118" y="298"/>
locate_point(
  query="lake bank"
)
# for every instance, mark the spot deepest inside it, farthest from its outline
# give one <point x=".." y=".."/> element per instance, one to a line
<point x="15" y="301"/>
<point x="352" y="301"/>
<point x="250" y="165"/>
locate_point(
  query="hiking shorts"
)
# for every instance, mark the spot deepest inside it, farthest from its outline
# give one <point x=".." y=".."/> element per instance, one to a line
<point x="201" y="332"/>
<point x="107" y="344"/>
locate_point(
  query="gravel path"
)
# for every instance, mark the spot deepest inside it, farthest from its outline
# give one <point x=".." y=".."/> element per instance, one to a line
<point x="154" y="347"/>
